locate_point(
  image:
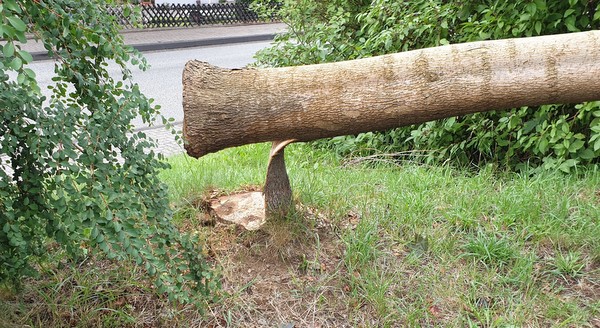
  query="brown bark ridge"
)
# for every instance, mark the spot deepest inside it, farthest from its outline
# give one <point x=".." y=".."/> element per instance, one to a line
<point x="277" y="190"/>
<point x="225" y="108"/>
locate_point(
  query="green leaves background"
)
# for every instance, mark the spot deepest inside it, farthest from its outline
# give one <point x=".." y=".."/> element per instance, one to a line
<point x="555" y="137"/>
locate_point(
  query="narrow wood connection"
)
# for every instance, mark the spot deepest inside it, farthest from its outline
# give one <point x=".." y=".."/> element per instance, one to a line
<point x="277" y="189"/>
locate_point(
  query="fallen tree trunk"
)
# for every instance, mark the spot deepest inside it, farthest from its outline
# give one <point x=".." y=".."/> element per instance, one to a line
<point x="225" y="108"/>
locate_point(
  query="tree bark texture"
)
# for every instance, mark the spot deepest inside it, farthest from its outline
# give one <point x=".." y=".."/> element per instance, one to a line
<point x="277" y="189"/>
<point x="225" y="108"/>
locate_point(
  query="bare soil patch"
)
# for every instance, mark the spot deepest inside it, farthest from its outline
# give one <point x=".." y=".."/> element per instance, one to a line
<point x="289" y="273"/>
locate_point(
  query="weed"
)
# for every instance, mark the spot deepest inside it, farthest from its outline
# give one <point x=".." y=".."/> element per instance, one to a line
<point x="361" y="246"/>
<point x="490" y="250"/>
<point x="567" y="265"/>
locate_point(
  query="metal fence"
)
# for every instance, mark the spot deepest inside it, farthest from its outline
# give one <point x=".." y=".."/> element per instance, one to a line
<point x="177" y="15"/>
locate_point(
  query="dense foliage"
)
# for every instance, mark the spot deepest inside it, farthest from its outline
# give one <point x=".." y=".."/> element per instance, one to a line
<point x="548" y="137"/>
<point x="73" y="172"/>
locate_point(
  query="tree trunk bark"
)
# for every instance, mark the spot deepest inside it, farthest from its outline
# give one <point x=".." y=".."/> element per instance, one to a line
<point x="225" y="108"/>
<point x="277" y="190"/>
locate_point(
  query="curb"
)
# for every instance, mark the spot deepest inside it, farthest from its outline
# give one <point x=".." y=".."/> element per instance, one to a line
<point x="43" y="55"/>
<point x="203" y="43"/>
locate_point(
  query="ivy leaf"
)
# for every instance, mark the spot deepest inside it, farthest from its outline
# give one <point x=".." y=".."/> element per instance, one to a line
<point x="126" y="11"/>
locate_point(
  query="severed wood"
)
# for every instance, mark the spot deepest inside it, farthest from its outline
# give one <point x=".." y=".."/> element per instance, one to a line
<point x="244" y="209"/>
<point x="225" y="108"/>
<point x="277" y="190"/>
<point x="252" y="209"/>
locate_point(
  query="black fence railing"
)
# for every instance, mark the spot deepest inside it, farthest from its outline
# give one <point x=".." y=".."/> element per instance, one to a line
<point x="177" y="15"/>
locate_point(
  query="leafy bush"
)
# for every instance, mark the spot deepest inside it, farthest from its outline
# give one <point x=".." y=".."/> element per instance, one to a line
<point x="73" y="173"/>
<point x="547" y="137"/>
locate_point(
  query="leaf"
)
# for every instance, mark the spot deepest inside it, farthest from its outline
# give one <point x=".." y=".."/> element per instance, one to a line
<point x="117" y="226"/>
<point x="20" y="78"/>
<point x="576" y="145"/>
<point x="541" y="4"/>
<point x="95" y="232"/>
<point x="12" y="6"/>
<point x="530" y="125"/>
<point x="570" y="24"/>
<point x="587" y="154"/>
<point x="26" y="56"/>
<point x="538" y="27"/>
<point x="16" y="63"/>
<point x="543" y="145"/>
<point x="568" y="12"/>
<point x="8" y="50"/>
<point x="29" y="73"/>
<point x="567" y="165"/>
<point x="17" y="23"/>
<point x="104" y="247"/>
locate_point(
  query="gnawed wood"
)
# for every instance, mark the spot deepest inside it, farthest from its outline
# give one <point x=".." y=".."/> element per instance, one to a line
<point x="252" y="209"/>
<point x="244" y="209"/>
<point x="277" y="190"/>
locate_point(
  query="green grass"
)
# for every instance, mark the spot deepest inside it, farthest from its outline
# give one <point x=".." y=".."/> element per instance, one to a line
<point x="500" y="248"/>
<point x="393" y="245"/>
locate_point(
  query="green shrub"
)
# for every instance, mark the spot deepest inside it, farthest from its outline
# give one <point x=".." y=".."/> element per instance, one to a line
<point x="547" y="137"/>
<point x="73" y="173"/>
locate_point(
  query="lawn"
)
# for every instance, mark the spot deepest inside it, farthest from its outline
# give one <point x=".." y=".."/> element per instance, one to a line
<point x="372" y="244"/>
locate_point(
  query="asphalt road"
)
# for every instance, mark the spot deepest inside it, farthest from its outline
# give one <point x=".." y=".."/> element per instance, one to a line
<point x="163" y="80"/>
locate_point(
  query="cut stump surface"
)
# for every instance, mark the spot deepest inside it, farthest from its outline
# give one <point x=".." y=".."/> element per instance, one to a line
<point x="246" y="209"/>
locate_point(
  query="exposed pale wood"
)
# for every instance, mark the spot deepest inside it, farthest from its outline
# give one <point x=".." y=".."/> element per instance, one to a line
<point x="246" y="209"/>
<point x="225" y="108"/>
